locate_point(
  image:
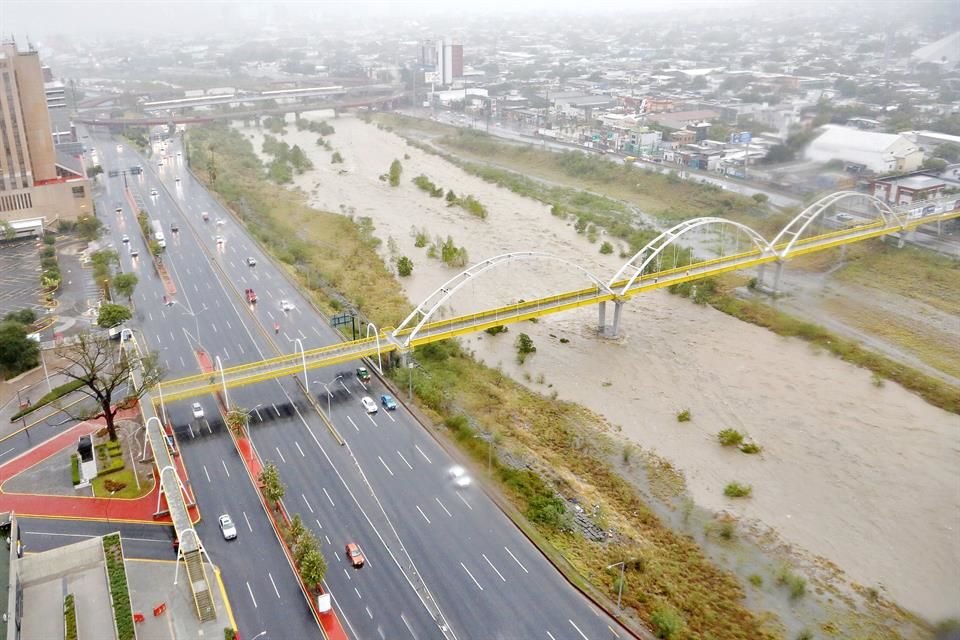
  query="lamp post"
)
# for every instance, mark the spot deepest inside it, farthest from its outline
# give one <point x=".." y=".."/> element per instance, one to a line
<point x="622" y="564"/>
<point x="329" y="395"/>
<point x="223" y="380"/>
<point x="303" y="356"/>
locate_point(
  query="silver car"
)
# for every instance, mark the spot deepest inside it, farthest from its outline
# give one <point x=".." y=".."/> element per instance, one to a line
<point x="227" y="528"/>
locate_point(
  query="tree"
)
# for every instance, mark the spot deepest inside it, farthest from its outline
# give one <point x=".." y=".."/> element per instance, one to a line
<point x="94" y="171"/>
<point x="949" y="151"/>
<point x="89" y="227"/>
<point x="23" y="316"/>
<point x="93" y="362"/>
<point x="760" y="198"/>
<point x="18" y="353"/>
<point x="396" y="169"/>
<point x="934" y="164"/>
<point x="7" y="230"/>
<point x="112" y="314"/>
<point x="306" y="543"/>
<point x="404" y="266"/>
<point x="124" y="284"/>
<point x="313" y="568"/>
<point x="777" y="154"/>
<point x="296" y="529"/>
<point x="237" y="420"/>
<point x="273" y="488"/>
<point x="524" y="347"/>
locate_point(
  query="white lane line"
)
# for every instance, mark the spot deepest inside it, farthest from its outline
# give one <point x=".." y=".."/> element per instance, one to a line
<point x="582" y="634"/>
<point x="270" y="314"/>
<point x="327" y="538"/>
<point x="347" y="573"/>
<point x="328" y="497"/>
<point x="423" y="454"/>
<point x="307" y="502"/>
<point x="405" y="461"/>
<point x="150" y="316"/>
<point x="282" y="459"/>
<point x="551" y="636"/>
<point x="214" y="327"/>
<point x="443" y="507"/>
<point x="275" y="590"/>
<point x="228" y="325"/>
<point x="226" y="354"/>
<point x="196" y="288"/>
<point x="515" y="560"/>
<point x="370" y="613"/>
<point x="7" y="451"/>
<point x="275" y="410"/>
<point x="389" y="415"/>
<point x="464" y="500"/>
<point x="158" y="339"/>
<point x="384" y="465"/>
<point x="493" y="567"/>
<point x="172" y="338"/>
<point x="423" y="514"/>
<point x="407" y="625"/>
<point x="206" y="473"/>
<point x="248" y="521"/>
<point x="318" y="523"/>
<point x="182" y="363"/>
<point x="240" y="346"/>
<point x="302" y="334"/>
<point x="302" y="454"/>
<point x="269" y="293"/>
<point x="350" y="420"/>
<point x="471" y="576"/>
<point x="613" y="631"/>
<point x="358" y="593"/>
<point x="317" y="331"/>
<point x="345" y="388"/>
<point x="250" y="591"/>
<point x="225" y="467"/>
<point x="372" y="421"/>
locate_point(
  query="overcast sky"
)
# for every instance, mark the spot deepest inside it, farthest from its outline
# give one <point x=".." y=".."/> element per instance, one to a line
<point x="39" y="19"/>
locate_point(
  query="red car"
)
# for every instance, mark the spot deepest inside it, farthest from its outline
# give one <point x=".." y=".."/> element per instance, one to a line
<point x="251" y="296"/>
<point x="355" y="555"/>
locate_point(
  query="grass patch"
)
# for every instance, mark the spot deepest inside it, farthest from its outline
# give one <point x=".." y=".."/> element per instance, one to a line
<point x="69" y="617"/>
<point x="666" y="623"/>
<point x="684" y="416"/>
<point x="75" y="468"/>
<point x="750" y="448"/>
<point x="737" y="490"/>
<point x="795" y="584"/>
<point x="104" y="483"/>
<point x="756" y="580"/>
<point x="55" y="394"/>
<point x="119" y="593"/>
<point x="730" y="437"/>
<point x="561" y="441"/>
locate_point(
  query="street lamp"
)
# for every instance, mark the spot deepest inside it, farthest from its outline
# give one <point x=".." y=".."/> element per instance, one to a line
<point x="329" y="395"/>
<point x="622" y="565"/>
<point x="223" y="380"/>
<point x="259" y="635"/>
<point x="303" y="355"/>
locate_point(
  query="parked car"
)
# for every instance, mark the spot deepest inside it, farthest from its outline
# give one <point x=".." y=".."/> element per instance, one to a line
<point x="227" y="528"/>
<point x="251" y="261"/>
<point x="388" y="402"/>
<point x="368" y="404"/>
<point x="197" y="409"/>
<point x="251" y="296"/>
<point x="354" y="555"/>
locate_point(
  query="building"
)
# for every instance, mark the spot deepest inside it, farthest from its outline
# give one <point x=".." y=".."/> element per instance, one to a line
<point x="680" y="119"/>
<point x="901" y="190"/>
<point x="878" y="152"/>
<point x="928" y="141"/>
<point x="33" y="183"/>
<point x="442" y="62"/>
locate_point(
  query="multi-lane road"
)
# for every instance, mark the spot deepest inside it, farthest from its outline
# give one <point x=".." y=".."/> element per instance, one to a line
<point x="436" y="554"/>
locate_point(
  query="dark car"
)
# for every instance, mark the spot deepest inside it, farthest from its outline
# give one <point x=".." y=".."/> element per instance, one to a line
<point x="388" y="402"/>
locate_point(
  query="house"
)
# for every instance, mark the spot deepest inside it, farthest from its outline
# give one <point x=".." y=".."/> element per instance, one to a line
<point x="879" y="152"/>
<point x="899" y="190"/>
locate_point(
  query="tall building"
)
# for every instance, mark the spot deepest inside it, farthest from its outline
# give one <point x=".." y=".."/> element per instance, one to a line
<point x="442" y="61"/>
<point x="37" y="187"/>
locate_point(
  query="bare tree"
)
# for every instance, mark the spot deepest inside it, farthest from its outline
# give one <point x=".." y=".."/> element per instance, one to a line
<point x="104" y="373"/>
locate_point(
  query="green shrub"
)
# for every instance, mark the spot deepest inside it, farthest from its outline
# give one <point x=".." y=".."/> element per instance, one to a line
<point x="737" y="490"/>
<point x="404" y="266"/>
<point x="119" y="593"/>
<point x="49" y="397"/>
<point x="524" y="347"/>
<point x="496" y="330"/>
<point x="666" y="622"/>
<point x="69" y="617"/>
<point x="229" y="634"/>
<point x="730" y="437"/>
<point x="684" y="416"/>
<point x="750" y="447"/>
<point x="796" y="584"/>
<point x="75" y="468"/>
<point x="606" y="248"/>
<point x="756" y="580"/>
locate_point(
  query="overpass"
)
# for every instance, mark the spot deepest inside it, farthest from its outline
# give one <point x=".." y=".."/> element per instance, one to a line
<point x="243" y="97"/>
<point x="649" y="269"/>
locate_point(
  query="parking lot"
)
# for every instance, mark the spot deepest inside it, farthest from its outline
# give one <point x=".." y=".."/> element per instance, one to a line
<point x="20" y="284"/>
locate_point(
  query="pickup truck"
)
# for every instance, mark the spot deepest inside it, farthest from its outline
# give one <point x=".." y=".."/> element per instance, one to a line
<point x="251" y="296"/>
<point x="363" y="375"/>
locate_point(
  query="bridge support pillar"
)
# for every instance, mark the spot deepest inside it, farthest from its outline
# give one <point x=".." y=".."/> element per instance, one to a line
<point x="776" y="278"/>
<point x="617" y="309"/>
<point x="602" y="322"/>
<point x="761" y="272"/>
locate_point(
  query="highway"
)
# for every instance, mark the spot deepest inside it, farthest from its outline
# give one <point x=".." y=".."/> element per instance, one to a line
<point x="430" y="547"/>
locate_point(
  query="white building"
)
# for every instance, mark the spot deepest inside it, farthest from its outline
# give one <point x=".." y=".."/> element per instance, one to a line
<point x="879" y="152"/>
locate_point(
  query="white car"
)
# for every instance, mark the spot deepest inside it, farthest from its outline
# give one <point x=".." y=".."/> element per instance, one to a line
<point x="227" y="528"/>
<point x="369" y="404"/>
<point x="286" y="305"/>
<point x="177" y="179"/>
<point x="125" y="239"/>
<point x="153" y="192"/>
<point x="459" y="475"/>
<point x="219" y="239"/>
<point x="119" y="147"/>
<point x="221" y="222"/>
<point x="197" y="410"/>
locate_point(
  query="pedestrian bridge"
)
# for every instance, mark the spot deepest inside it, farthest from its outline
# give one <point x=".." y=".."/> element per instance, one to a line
<point x="661" y="263"/>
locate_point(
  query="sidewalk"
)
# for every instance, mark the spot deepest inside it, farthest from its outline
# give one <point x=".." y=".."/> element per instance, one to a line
<point x="139" y="510"/>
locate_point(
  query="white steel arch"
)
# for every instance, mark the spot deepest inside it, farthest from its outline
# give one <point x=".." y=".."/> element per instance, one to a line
<point x="795" y="228"/>
<point x="655" y="247"/>
<point x="435" y="300"/>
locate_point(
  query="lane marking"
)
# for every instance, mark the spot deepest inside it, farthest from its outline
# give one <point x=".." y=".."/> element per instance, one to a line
<point x="250" y="591"/>
<point x="7" y="451"/>
<point x="515" y="560"/>
<point x="423" y="454"/>
<point x="407" y="625"/>
<point x="328" y="539"/>
<point x="317" y="331"/>
<point x="302" y="454"/>
<point x="182" y="363"/>
<point x="443" y="507"/>
<point x="464" y="501"/>
<point x="471" y="576"/>
<point x="551" y="636"/>
<point x="226" y="354"/>
<point x="206" y="473"/>
<point x="423" y="514"/>
<point x="385" y="465"/>
<point x="493" y="567"/>
<point x="372" y="421"/>
<point x="347" y="573"/>
<point x="328" y="497"/>
<point x="371" y="617"/>
<point x="248" y="521"/>
<point x="389" y="415"/>
<point x="318" y="523"/>
<point x="582" y="634"/>
<point x="228" y="325"/>
<point x="345" y="387"/>
<point x="302" y="334"/>
<point x="282" y="459"/>
<point x="277" y="411"/>
<point x="159" y="341"/>
<point x="613" y="631"/>
<point x="405" y="460"/>
<point x="354" y="424"/>
<point x="307" y="502"/>
<point x="214" y="327"/>
<point x="358" y="593"/>
<point x="225" y="467"/>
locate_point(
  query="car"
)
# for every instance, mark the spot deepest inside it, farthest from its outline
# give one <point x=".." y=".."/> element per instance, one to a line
<point x="368" y="404"/>
<point x="286" y="305"/>
<point x="153" y="192"/>
<point x="125" y="239"/>
<point x="221" y="222"/>
<point x="205" y="216"/>
<point x="227" y="528"/>
<point x="197" y="409"/>
<point x="459" y="475"/>
<point x="119" y="210"/>
<point x="354" y="555"/>
<point x="251" y="296"/>
<point x="134" y="252"/>
<point x="179" y="154"/>
<point x="388" y="402"/>
<point x="219" y="239"/>
<point x="174" y="228"/>
<point x="844" y="217"/>
<point x="362" y="374"/>
<point x="177" y="179"/>
<point x="251" y="261"/>
<point x="160" y="164"/>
